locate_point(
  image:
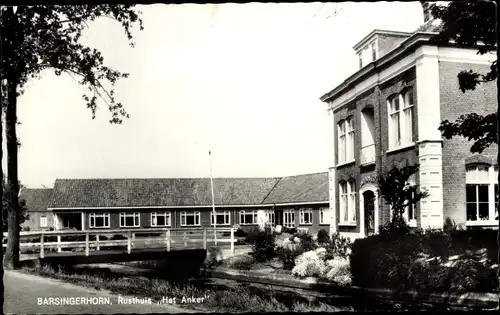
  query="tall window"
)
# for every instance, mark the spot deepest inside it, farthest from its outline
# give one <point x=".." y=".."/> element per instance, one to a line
<point x="481" y="197"/>
<point x="129" y="219"/>
<point x="346" y="140"/>
<point x="348" y="201"/>
<point x="222" y="218"/>
<point x="323" y="212"/>
<point x="271" y="217"/>
<point x="98" y="220"/>
<point x="306" y="216"/>
<point x="289" y="218"/>
<point x="190" y="218"/>
<point x="43" y="221"/>
<point x="160" y="219"/>
<point x="248" y="217"/>
<point x="410" y="213"/>
<point x="400" y="109"/>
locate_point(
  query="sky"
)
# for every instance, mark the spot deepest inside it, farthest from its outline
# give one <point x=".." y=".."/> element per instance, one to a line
<point x="241" y="80"/>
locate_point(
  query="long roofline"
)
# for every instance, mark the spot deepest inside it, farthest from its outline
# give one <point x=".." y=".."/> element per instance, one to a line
<point x="408" y="44"/>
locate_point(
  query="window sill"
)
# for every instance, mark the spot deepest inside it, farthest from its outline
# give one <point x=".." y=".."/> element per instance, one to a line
<point x="225" y="224"/>
<point x="401" y="148"/>
<point x="246" y="224"/>
<point x="186" y="226"/>
<point x="306" y="224"/>
<point x="324" y="224"/>
<point x="348" y="224"/>
<point x="482" y="223"/>
<point x="129" y="227"/>
<point x="345" y="163"/>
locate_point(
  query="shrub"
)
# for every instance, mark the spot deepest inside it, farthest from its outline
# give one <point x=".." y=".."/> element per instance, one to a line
<point x="339" y="246"/>
<point x="240" y="233"/>
<point x="310" y="264"/>
<point x="338" y="270"/>
<point x="421" y="262"/>
<point x="287" y="256"/>
<point x="263" y="245"/>
<point x="289" y="230"/>
<point x="306" y="242"/>
<point x="242" y="263"/>
<point x="323" y="237"/>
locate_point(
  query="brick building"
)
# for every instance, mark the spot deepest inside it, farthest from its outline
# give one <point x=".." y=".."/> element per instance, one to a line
<point x="293" y="201"/>
<point x="388" y="113"/>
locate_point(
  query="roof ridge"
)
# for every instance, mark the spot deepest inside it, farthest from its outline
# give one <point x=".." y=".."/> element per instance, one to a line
<point x="271" y="190"/>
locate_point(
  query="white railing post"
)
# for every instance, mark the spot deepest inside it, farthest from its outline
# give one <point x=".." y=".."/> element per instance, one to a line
<point x="185" y="239"/>
<point x="133" y="240"/>
<point x="87" y="243"/>
<point x="59" y="244"/>
<point x="167" y="235"/>
<point x="232" y="241"/>
<point x="129" y="242"/>
<point x="98" y="247"/>
<point x="42" y="251"/>
<point x="205" y="239"/>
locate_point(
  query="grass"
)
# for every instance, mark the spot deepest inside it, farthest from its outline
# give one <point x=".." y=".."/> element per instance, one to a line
<point x="236" y="299"/>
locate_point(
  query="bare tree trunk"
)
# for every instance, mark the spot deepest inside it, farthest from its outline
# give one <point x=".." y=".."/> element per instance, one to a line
<point x="12" y="254"/>
<point x="1" y="200"/>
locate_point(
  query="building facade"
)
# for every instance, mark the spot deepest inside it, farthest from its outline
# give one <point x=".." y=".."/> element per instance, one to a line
<point x="387" y="114"/>
<point x="295" y="201"/>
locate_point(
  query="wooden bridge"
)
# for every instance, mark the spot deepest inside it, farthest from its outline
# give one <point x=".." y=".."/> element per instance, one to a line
<point x="96" y="246"/>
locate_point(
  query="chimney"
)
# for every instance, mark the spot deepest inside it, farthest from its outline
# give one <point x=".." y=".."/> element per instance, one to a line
<point x="427" y="7"/>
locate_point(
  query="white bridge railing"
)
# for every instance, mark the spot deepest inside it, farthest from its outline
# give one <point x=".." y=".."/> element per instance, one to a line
<point x="41" y="242"/>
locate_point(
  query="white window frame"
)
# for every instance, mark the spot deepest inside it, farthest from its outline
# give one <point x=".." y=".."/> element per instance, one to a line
<point x="136" y="219"/>
<point x="226" y="214"/>
<point x="342" y="141"/>
<point x="322" y="215"/>
<point x="195" y="214"/>
<point x="349" y="139"/>
<point x="271" y="217"/>
<point x="302" y="216"/>
<point x="411" y="208"/>
<point x="44" y="221"/>
<point x="400" y="134"/>
<point x="289" y="218"/>
<point x="347" y="190"/>
<point x="244" y="213"/>
<point x="166" y="215"/>
<point x="94" y="216"/>
<point x="490" y="179"/>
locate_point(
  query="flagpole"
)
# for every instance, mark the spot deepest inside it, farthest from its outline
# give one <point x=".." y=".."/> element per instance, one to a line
<point x="213" y="201"/>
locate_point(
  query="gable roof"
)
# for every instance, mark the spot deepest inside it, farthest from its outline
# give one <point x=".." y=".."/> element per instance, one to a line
<point x="182" y="192"/>
<point x="36" y="199"/>
<point x="300" y="189"/>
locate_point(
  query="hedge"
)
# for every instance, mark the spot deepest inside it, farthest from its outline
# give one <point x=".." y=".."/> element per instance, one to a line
<point x="404" y="262"/>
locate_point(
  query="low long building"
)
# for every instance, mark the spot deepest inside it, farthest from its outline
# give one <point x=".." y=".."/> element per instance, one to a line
<point x="295" y="201"/>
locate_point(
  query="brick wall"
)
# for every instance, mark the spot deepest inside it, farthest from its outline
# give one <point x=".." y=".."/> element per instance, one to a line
<point x="453" y="104"/>
<point x="33" y="223"/>
<point x="376" y="98"/>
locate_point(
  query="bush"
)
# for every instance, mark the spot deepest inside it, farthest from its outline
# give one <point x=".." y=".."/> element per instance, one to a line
<point x="240" y="233"/>
<point x="310" y="264"/>
<point x="323" y="237"/>
<point x="421" y="262"/>
<point x="263" y="245"/>
<point x="339" y="246"/>
<point x="287" y="256"/>
<point x="243" y="263"/>
<point x="338" y="270"/>
<point x="289" y="230"/>
<point x="306" y="242"/>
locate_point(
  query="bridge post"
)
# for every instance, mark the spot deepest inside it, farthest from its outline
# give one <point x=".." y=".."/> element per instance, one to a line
<point x="98" y="247"/>
<point x="42" y="251"/>
<point x="167" y="235"/>
<point x="59" y="243"/>
<point x="232" y="241"/>
<point x="205" y="239"/>
<point x="129" y="242"/>
<point x="87" y="243"/>
<point x="185" y="239"/>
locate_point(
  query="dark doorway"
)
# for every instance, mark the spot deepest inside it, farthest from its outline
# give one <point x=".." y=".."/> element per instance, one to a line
<point x="369" y="209"/>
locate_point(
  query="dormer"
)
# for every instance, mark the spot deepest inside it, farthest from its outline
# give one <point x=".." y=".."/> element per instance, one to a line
<point x="376" y="44"/>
